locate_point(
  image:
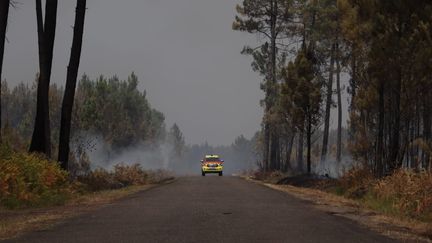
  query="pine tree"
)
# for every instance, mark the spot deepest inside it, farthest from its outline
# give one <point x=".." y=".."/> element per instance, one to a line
<point x="175" y="137"/>
<point x="4" y="14"/>
<point x="269" y="19"/>
<point x="41" y="141"/>
<point x="71" y="79"/>
<point x="301" y="97"/>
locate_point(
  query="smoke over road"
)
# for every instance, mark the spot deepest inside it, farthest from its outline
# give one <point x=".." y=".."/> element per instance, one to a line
<point x="163" y="156"/>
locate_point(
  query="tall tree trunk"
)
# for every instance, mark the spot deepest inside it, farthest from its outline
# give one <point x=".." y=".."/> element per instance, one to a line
<point x="71" y="79"/>
<point x="309" y="143"/>
<point x="268" y="153"/>
<point x="328" y="106"/>
<point x="353" y="90"/>
<point x="4" y="13"/>
<point x="300" y="151"/>
<point x="289" y="151"/>
<point x="274" y="137"/>
<point x="41" y="139"/>
<point x="426" y="129"/>
<point x="353" y="81"/>
<point x="395" y="142"/>
<point x="266" y="147"/>
<point x="379" y="167"/>
<point x="339" y="97"/>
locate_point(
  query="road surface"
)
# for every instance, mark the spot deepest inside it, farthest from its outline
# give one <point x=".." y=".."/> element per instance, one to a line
<point x="207" y="209"/>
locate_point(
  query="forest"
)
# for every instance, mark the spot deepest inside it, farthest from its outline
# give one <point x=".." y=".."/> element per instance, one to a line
<point x="104" y="133"/>
<point x="310" y="54"/>
<point x="308" y="47"/>
<point x="110" y="116"/>
<point x="85" y="134"/>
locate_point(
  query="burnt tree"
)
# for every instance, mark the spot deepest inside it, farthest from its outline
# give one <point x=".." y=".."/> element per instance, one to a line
<point x="4" y="12"/>
<point x="71" y="80"/>
<point x="41" y="141"/>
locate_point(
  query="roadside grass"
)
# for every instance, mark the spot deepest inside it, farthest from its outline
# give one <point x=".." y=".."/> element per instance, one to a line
<point x="31" y="180"/>
<point x="35" y="192"/>
<point x="16" y="222"/>
<point x="398" y="205"/>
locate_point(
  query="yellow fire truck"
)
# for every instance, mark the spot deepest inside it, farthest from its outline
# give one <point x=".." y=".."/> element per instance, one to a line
<point x="212" y="164"/>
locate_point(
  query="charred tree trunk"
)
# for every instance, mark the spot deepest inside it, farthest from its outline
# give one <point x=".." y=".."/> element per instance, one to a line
<point x="4" y="13"/>
<point x="71" y="79"/>
<point x="41" y="139"/>
<point x="300" y="151"/>
<point x="353" y="81"/>
<point x="289" y="151"/>
<point x="353" y="90"/>
<point x="266" y="146"/>
<point x="379" y="167"/>
<point x="309" y="143"/>
<point x="339" y="98"/>
<point x="394" y="161"/>
<point x="274" y="137"/>
<point x="328" y="106"/>
<point x="426" y="130"/>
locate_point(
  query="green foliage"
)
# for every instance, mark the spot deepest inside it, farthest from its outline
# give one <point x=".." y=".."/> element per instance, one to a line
<point x="176" y="139"/>
<point x="112" y="108"/>
<point x="118" y="111"/>
<point x="18" y="109"/>
<point x="270" y="20"/>
<point x="301" y="93"/>
<point x="390" y="64"/>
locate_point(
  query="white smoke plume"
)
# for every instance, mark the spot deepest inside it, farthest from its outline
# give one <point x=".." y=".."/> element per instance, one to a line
<point x="334" y="169"/>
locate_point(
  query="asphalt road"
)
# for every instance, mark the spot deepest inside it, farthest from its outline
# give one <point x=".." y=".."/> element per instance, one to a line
<point x="207" y="209"/>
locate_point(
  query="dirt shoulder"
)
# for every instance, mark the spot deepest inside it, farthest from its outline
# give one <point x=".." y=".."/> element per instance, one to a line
<point x="405" y="230"/>
<point x="14" y="223"/>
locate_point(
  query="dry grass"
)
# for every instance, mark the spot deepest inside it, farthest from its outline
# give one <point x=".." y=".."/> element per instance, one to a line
<point x="15" y="222"/>
<point x="394" y="227"/>
<point x="31" y="180"/>
<point x="408" y="192"/>
<point x="356" y="183"/>
<point x="123" y="175"/>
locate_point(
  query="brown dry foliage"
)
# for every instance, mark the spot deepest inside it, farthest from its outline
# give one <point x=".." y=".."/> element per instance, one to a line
<point x="159" y="176"/>
<point x="30" y="179"/>
<point x="410" y="192"/>
<point x="99" y="179"/>
<point x="123" y="175"/>
<point x="357" y="182"/>
<point x="130" y="174"/>
<point x="272" y="177"/>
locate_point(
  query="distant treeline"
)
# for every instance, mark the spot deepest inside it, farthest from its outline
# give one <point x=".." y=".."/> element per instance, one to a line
<point x="114" y="112"/>
<point x="109" y="107"/>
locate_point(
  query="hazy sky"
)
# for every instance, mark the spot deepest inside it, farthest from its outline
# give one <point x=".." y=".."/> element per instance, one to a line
<point x="183" y="51"/>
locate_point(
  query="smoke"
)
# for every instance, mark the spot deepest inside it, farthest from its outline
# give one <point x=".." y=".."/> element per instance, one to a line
<point x="334" y="169"/>
<point x="163" y="156"/>
<point x="102" y="155"/>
